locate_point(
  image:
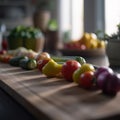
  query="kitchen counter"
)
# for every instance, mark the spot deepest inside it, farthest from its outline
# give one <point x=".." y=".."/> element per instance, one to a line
<point x="32" y="94"/>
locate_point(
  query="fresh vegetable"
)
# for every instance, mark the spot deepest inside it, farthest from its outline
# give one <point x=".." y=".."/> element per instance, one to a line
<point x="23" y="63"/>
<point x="102" y="69"/>
<point x="81" y="60"/>
<point x="68" y="68"/>
<point x="101" y="80"/>
<point x="109" y="83"/>
<point x="112" y="85"/>
<point x="100" y="75"/>
<point x="15" y="60"/>
<point x="84" y="68"/>
<point x="41" y="63"/>
<point x="42" y="56"/>
<point x="86" y="79"/>
<point x="51" y="69"/>
<point x="28" y="64"/>
<point x="63" y="59"/>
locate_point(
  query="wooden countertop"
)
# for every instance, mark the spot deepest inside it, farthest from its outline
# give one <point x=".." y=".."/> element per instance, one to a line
<point x="56" y="98"/>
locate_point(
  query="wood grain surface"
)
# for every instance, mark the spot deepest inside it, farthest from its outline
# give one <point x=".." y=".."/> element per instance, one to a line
<point x="56" y="98"/>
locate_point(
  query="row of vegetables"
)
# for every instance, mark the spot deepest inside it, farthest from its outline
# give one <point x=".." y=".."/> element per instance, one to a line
<point x="71" y="68"/>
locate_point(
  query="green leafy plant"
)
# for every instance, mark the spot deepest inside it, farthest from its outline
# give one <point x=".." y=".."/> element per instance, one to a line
<point x="114" y="36"/>
<point x="104" y="36"/>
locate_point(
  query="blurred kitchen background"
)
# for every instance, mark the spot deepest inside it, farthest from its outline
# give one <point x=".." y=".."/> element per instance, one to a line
<point x="68" y="19"/>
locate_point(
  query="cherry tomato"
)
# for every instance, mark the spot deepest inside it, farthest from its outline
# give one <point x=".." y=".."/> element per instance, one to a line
<point x="84" y="68"/>
<point x="41" y="63"/>
<point x="68" y="68"/>
<point x="86" y="79"/>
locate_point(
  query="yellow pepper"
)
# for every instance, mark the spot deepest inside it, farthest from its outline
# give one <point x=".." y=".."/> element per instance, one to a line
<point x="52" y="68"/>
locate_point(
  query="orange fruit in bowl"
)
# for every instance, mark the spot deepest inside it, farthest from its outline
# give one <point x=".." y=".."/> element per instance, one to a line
<point x="101" y="44"/>
<point x="93" y="36"/>
<point x="93" y="44"/>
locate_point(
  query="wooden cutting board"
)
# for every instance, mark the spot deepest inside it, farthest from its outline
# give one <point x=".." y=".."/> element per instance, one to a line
<point x="56" y="98"/>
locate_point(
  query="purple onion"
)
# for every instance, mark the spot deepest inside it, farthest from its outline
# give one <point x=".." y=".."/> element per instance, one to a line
<point x="112" y="85"/>
<point x="102" y="69"/>
<point x="101" y="79"/>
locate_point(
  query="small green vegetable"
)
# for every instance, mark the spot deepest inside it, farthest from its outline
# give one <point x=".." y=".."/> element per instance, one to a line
<point x="63" y="59"/>
<point x="28" y="64"/>
<point x="15" y="61"/>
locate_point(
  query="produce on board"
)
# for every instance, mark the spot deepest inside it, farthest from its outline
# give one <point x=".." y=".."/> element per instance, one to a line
<point x="70" y="68"/>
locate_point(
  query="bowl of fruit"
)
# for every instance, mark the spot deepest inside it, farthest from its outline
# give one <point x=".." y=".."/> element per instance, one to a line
<point x="88" y="45"/>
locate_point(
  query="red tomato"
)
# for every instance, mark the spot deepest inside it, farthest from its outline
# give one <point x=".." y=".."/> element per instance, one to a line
<point x="68" y="68"/>
<point x="86" y="79"/>
<point x="41" y="63"/>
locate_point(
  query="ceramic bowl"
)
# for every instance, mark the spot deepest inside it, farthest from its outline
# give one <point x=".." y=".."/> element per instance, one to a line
<point x="84" y="53"/>
<point x="113" y="52"/>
